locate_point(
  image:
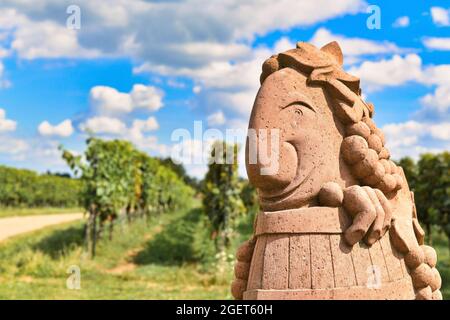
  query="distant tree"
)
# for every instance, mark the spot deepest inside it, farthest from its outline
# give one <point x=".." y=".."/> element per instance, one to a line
<point x="222" y="202"/>
<point x="249" y="195"/>
<point x="411" y="171"/>
<point x="58" y="174"/>
<point x="440" y="192"/>
<point x="181" y="172"/>
<point x="430" y="191"/>
<point x="429" y="178"/>
<point x="26" y="188"/>
<point x="423" y="192"/>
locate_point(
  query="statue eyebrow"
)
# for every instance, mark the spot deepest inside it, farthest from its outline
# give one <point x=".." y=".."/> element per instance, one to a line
<point x="301" y="102"/>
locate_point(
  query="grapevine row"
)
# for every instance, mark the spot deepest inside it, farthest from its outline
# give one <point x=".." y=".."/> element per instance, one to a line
<point x="122" y="182"/>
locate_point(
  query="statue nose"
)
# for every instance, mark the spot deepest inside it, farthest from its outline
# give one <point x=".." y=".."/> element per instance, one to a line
<point x="273" y="167"/>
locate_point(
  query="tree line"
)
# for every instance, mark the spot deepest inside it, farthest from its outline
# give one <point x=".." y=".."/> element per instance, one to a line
<point x="429" y="178"/>
<point x="26" y="188"/>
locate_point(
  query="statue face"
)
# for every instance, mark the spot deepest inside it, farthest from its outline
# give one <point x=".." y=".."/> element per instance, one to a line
<point x="308" y="142"/>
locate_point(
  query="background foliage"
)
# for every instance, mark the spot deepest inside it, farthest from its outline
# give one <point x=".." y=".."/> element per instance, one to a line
<point x="429" y="178"/>
<point x="25" y="188"/>
<point x="222" y="193"/>
<point x="122" y="182"/>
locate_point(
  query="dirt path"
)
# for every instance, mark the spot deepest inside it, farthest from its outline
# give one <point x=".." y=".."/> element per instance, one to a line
<point x="16" y="225"/>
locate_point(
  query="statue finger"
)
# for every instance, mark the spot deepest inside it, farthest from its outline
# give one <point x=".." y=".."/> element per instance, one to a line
<point x="387" y="210"/>
<point x="358" y="204"/>
<point x="376" y="229"/>
<point x="356" y="201"/>
<point x="360" y="226"/>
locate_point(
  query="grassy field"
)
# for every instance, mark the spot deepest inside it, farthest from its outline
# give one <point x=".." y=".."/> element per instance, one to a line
<point x="440" y="243"/>
<point x="170" y="258"/>
<point x="10" y="212"/>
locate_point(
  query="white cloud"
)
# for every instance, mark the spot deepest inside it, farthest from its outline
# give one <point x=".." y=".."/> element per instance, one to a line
<point x="436" y="103"/>
<point x="176" y="84"/>
<point x="146" y="97"/>
<point x="439" y="100"/>
<point x="442" y="44"/>
<point x="4" y="52"/>
<point x="413" y="138"/>
<point x="401" y="22"/>
<point x="138" y="127"/>
<point x="110" y="127"/>
<point x="13" y="146"/>
<point x="49" y="40"/>
<point x="402" y="134"/>
<point x="42" y="39"/>
<point x="6" y="124"/>
<point x="375" y="75"/>
<point x="354" y="47"/>
<point x="196" y="89"/>
<point x="107" y="100"/>
<point x="388" y="72"/>
<point x="145" y="30"/>
<point x="440" y="16"/>
<point x="440" y="131"/>
<point x="232" y="86"/>
<point x="225" y="85"/>
<point x="407" y="133"/>
<point x="103" y="125"/>
<point x="436" y="75"/>
<point x="4" y="83"/>
<point x="216" y="119"/>
<point x="36" y="153"/>
<point x="63" y="129"/>
<point x="214" y="49"/>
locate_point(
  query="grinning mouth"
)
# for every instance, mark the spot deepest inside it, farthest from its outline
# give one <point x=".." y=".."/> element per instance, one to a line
<point x="289" y="190"/>
<point x="292" y="187"/>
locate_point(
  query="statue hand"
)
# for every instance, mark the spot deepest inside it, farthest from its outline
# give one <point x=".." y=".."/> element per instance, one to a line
<point x="369" y="208"/>
<point x="371" y="214"/>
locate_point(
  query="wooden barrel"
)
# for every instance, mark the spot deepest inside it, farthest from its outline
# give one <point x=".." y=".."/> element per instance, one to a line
<point x="301" y="254"/>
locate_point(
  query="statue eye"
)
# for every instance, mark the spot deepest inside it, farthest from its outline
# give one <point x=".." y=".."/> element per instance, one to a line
<point x="300" y="107"/>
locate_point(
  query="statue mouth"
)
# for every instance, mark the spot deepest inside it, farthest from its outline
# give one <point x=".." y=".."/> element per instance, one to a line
<point x="288" y="191"/>
<point x="291" y="188"/>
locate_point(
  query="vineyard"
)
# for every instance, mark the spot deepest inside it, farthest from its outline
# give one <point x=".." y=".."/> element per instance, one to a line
<point x="146" y="224"/>
<point x="119" y="182"/>
<point x="25" y="188"/>
<point x="151" y="232"/>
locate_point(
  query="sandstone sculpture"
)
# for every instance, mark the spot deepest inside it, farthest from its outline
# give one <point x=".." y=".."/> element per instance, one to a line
<point x="338" y="220"/>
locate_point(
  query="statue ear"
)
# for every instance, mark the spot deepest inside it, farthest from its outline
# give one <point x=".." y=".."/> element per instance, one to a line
<point x="334" y="50"/>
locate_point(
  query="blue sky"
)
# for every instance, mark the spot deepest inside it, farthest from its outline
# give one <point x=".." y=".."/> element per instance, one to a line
<point x="138" y="69"/>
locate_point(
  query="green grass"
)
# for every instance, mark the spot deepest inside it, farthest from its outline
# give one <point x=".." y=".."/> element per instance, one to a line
<point x="131" y="266"/>
<point x="171" y="257"/>
<point x="440" y="243"/>
<point x="10" y="212"/>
